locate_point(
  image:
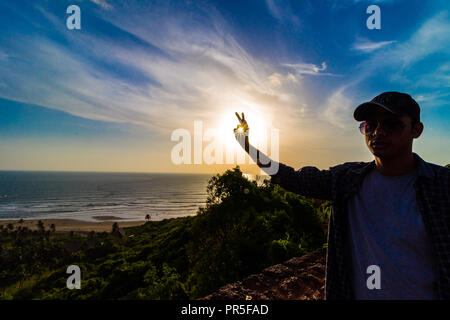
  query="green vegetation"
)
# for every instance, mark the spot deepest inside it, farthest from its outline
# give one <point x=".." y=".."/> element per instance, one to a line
<point x="244" y="228"/>
<point x="448" y="166"/>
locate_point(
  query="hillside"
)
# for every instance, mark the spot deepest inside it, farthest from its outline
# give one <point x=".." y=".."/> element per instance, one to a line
<point x="244" y="228"/>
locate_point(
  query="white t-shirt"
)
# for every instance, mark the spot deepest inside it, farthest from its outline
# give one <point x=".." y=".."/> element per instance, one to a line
<point x="386" y="230"/>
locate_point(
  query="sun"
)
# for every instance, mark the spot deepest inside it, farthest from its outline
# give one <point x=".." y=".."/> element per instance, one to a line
<point x="227" y="122"/>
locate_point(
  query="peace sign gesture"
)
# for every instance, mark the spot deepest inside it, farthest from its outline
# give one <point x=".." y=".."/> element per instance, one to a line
<point x="242" y="127"/>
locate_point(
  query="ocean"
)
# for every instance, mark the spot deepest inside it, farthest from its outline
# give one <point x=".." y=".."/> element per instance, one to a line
<point x="92" y="196"/>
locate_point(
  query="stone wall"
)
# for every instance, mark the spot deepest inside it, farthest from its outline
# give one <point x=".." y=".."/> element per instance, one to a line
<point x="300" y="278"/>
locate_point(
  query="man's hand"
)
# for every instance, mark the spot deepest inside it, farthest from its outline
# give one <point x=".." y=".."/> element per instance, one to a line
<point x="241" y="132"/>
<point x="242" y="128"/>
<point x="241" y="135"/>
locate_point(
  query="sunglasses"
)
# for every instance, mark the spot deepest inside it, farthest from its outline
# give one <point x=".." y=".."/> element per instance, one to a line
<point x="389" y="126"/>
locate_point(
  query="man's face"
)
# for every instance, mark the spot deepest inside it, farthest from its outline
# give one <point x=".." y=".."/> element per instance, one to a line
<point x="390" y="135"/>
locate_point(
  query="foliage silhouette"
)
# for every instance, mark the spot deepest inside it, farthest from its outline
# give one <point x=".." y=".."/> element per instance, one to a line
<point x="243" y="228"/>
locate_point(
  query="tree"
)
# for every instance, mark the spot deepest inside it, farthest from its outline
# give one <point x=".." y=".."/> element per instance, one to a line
<point x="147" y="217"/>
<point x="448" y="166"/>
<point x="116" y="231"/>
<point x="41" y="226"/>
<point x="245" y="228"/>
<point x="53" y="228"/>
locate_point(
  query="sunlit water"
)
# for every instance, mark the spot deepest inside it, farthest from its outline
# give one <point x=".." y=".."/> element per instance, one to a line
<point x="84" y="196"/>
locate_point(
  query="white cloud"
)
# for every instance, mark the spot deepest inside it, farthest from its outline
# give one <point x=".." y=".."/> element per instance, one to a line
<point x="275" y="80"/>
<point x="308" y="68"/>
<point x="374" y="1"/>
<point x="341" y="4"/>
<point x="199" y="75"/>
<point x="398" y="60"/>
<point x="436" y="98"/>
<point x="338" y="110"/>
<point x="433" y="36"/>
<point x="282" y="13"/>
<point x="292" y="78"/>
<point x="369" y="46"/>
<point x="202" y="72"/>
<point x="4" y="56"/>
<point x="102" y="3"/>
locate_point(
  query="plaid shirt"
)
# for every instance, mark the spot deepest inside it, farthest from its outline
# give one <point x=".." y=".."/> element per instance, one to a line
<point x="341" y="182"/>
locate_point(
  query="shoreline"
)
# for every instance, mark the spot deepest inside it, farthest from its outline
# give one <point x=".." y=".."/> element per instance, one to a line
<point x="67" y="225"/>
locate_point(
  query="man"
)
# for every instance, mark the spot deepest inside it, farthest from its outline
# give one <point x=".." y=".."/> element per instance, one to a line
<point x="389" y="231"/>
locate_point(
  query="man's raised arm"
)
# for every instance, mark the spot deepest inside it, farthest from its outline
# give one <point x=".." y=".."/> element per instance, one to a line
<point x="308" y="181"/>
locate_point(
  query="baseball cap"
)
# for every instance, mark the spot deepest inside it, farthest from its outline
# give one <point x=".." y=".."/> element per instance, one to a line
<point x="396" y="102"/>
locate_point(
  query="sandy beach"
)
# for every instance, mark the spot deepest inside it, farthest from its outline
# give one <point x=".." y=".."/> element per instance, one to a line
<point x="66" y="225"/>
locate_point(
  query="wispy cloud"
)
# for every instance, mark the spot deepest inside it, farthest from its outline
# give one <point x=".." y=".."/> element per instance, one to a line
<point x="102" y="3"/>
<point x="193" y="75"/>
<point x="4" y="56"/>
<point x="365" y="1"/>
<point x="433" y="36"/>
<point x="369" y="46"/>
<point x="338" y="109"/>
<point x="282" y="12"/>
<point x="342" y="4"/>
<point x="190" y="69"/>
<point x="431" y="97"/>
<point x="375" y="1"/>
<point x="399" y="60"/>
<point x="308" y="68"/>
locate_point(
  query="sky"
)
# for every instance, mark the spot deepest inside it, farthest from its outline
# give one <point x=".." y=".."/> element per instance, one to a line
<point x="110" y="96"/>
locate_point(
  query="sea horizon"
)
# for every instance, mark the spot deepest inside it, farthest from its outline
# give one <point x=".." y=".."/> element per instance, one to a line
<point x="80" y="171"/>
<point x="89" y="196"/>
<point x="100" y="196"/>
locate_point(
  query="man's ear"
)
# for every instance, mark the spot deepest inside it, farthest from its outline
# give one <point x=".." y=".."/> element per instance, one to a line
<point x="417" y="130"/>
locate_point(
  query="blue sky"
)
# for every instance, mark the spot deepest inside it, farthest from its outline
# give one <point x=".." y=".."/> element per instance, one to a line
<point x="108" y="96"/>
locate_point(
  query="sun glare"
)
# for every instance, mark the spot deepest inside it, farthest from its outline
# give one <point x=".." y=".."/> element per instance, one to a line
<point x="227" y="122"/>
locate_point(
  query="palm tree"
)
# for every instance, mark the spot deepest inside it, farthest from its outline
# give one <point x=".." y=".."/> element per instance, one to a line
<point x="147" y="217"/>
<point x="115" y="227"/>
<point x="41" y="226"/>
<point x="116" y="231"/>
